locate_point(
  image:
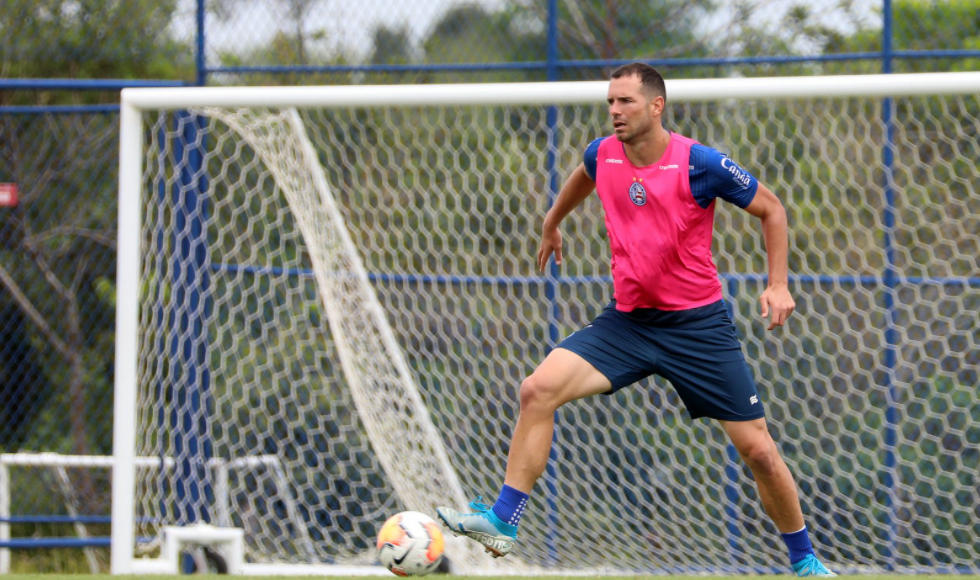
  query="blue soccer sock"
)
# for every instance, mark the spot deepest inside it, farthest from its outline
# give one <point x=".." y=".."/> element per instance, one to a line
<point x="799" y="545"/>
<point x="510" y="505"/>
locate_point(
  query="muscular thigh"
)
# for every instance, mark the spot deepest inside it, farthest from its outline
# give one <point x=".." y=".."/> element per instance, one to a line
<point x="569" y="376"/>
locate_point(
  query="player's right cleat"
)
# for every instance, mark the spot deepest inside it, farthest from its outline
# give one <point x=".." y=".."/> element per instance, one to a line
<point x="484" y="526"/>
<point x="811" y="566"/>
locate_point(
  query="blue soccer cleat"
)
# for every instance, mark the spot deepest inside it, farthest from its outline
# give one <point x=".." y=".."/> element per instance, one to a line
<point x="811" y="566"/>
<point x="483" y="526"/>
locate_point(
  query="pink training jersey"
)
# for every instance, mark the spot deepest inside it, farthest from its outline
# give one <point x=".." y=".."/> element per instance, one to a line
<point x="660" y="236"/>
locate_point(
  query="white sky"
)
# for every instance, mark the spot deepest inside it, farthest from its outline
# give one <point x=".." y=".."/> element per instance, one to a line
<point x="349" y="24"/>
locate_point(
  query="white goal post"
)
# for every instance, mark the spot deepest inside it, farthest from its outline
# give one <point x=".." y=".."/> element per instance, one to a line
<point x="26" y="469"/>
<point x="343" y="278"/>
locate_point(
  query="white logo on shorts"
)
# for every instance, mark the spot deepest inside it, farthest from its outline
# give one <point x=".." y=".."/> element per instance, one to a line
<point x="754" y="399"/>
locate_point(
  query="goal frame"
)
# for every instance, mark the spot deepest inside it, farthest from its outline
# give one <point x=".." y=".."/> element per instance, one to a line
<point x="135" y="101"/>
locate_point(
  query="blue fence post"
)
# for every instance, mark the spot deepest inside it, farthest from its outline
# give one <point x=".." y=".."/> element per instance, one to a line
<point x="890" y="280"/>
<point x="198" y="277"/>
<point x="201" y="64"/>
<point x="551" y="472"/>
<point x="191" y="382"/>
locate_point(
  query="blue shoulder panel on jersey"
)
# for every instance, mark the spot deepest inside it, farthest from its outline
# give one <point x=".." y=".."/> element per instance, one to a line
<point x="592" y="157"/>
<point x="713" y="175"/>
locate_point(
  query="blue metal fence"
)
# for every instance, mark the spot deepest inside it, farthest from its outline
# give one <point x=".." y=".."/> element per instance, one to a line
<point x="552" y="55"/>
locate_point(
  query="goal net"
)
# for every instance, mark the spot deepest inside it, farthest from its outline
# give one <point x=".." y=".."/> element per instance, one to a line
<point x="327" y="303"/>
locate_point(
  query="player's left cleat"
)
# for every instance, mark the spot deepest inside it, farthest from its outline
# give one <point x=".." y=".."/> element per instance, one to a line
<point x="484" y="526"/>
<point x="811" y="566"/>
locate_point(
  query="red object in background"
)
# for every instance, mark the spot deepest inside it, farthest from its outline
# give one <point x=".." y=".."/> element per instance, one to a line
<point x="8" y="195"/>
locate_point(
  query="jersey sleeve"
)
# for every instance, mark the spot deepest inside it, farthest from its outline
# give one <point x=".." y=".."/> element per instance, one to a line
<point x="592" y="157"/>
<point x="713" y="175"/>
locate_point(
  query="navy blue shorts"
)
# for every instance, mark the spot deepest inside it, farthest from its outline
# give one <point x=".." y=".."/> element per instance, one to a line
<point x="697" y="350"/>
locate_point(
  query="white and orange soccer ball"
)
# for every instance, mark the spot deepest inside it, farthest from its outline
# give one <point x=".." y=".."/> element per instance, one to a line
<point x="410" y="544"/>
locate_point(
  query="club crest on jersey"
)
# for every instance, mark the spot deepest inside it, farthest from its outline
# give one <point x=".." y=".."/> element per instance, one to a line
<point x="637" y="193"/>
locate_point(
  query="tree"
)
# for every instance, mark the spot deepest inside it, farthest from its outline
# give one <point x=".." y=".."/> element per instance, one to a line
<point x="89" y="39"/>
<point x="290" y="47"/>
<point x="470" y="34"/>
<point x="57" y="261"/>
<point x="58" y="248"/>
<point x="23" y="385"/>
<point x="391" y="46"/>
<point x="918" y="25"/>
<point x="607" y="29"/>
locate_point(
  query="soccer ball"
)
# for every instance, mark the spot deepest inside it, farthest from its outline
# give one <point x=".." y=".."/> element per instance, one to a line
<point x="410" y="544"/>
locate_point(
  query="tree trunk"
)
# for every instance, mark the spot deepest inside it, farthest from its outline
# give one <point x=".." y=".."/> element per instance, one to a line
<point x="83" y="486"/>
<point x="610" y="44"/>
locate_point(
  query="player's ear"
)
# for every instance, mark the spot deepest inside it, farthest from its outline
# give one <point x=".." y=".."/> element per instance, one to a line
<point x="657" y="105"/>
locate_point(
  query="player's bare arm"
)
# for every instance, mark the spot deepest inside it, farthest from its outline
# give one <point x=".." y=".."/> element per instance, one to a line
<point x="776" y="298"/>
<point x="578" y="187"/>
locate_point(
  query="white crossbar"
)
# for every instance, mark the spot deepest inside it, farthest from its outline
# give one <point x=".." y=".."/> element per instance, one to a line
<point x="680" y="90"/>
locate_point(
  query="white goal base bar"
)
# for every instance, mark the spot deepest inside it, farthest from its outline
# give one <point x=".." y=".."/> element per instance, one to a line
<point x="174" y="537"/>
<point x="230" y="543"/>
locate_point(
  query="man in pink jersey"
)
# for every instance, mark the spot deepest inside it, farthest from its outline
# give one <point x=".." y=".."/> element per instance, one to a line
<point x="667" y="316"/>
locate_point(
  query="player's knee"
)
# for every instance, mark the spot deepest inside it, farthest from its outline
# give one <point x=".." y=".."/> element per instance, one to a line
<point x="760" y="456"/>
<point x="538" y="394"/>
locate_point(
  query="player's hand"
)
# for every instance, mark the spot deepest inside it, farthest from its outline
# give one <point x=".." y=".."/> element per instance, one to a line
<point x="777" y="299"/>
<point x="550" y="243"/>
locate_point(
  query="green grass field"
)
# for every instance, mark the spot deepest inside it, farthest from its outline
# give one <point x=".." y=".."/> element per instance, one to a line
<point x="108" y="577"/>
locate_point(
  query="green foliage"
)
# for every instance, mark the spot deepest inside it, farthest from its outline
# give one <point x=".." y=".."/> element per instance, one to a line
<point x="90" y="39"/>
<point x="391" y="46"/>
<point x="69" y="562"/>
<point x="501" y="39"/>
<point x="284" y="48"/>
<point x="917" y="25"/>
<point x="603" y="29"/>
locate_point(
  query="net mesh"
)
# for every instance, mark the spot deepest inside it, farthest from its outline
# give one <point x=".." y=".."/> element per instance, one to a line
<point x="870" y="389"/>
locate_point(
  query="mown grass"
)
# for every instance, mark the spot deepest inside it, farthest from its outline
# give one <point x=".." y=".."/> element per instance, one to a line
<point x="108" y="577"/>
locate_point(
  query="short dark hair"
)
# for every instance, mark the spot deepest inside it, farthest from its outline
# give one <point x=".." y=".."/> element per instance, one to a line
<point x="650" y="78"/>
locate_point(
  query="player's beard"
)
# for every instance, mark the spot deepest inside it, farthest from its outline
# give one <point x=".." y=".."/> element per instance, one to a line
<point x="643" y="127"/>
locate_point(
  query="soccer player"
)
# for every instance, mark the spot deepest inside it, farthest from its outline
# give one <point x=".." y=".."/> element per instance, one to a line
<point x="667" y="316"/>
